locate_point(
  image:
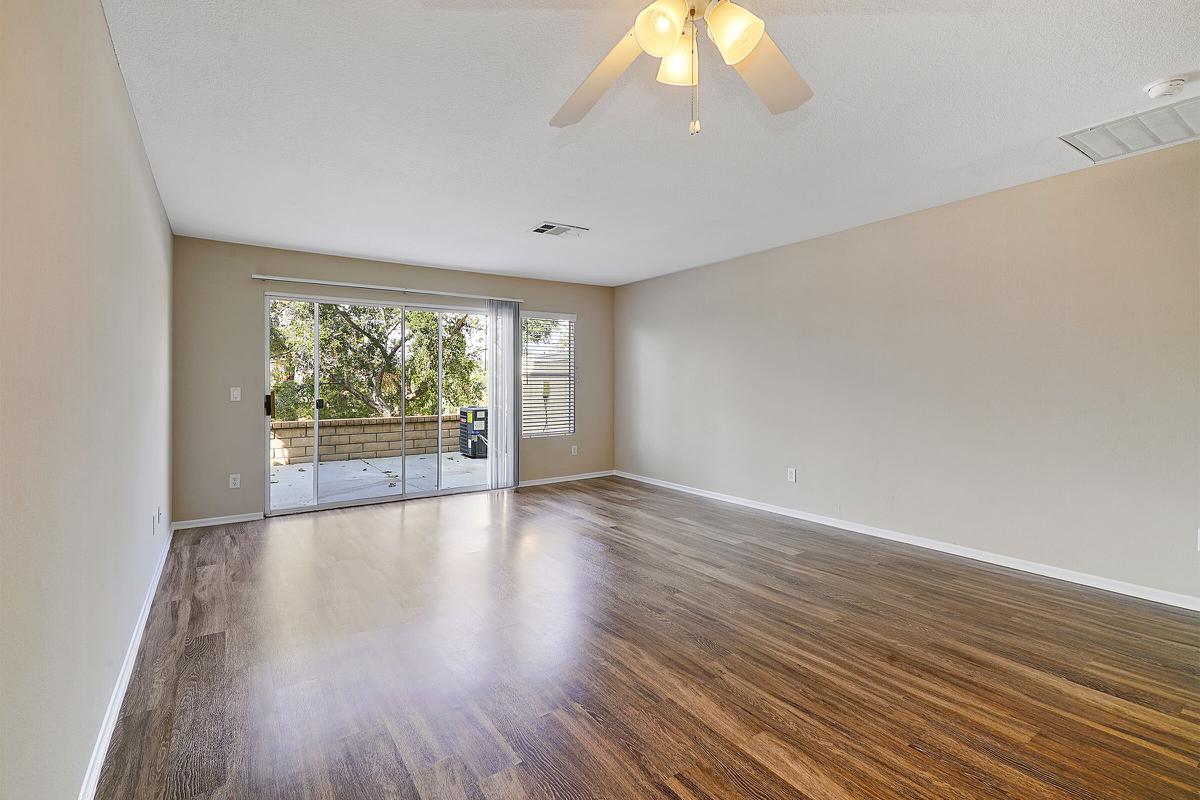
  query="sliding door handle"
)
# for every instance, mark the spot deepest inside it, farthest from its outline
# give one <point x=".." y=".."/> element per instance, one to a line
<point x="269" y="404"/>
<point x="320" y="404"/>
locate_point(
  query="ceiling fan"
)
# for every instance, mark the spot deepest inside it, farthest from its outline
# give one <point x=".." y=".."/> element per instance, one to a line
<point x="666" y="29"/>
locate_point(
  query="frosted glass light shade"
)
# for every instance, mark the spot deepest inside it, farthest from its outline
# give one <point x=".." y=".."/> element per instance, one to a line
<point x="659" y="26"/>
<point x="733" y="29"/>
<point x="675" y="68"/>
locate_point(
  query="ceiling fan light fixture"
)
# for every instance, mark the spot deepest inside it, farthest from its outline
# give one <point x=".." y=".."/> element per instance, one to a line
<point x="666" y="29"/>
<point x="659" y="26"/>
<point x="733" y="29"/>
<point x="677" y="67"/>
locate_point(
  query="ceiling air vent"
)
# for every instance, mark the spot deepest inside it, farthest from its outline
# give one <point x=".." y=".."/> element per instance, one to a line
<point x="559" y="229"/>
<point x="1167" y="125"/>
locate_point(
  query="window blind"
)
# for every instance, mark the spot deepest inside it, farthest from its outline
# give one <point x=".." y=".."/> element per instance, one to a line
<point x="547" y="375"/>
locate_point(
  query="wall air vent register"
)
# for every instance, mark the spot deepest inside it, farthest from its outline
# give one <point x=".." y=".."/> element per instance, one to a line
<point x="560" y="229"/>
<point x="1160" y="127"/>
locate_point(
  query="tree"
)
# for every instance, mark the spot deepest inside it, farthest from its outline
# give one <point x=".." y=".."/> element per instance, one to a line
<point x="375" y="361"/>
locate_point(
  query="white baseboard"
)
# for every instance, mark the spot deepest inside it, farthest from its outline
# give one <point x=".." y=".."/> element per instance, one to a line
<point x="204" y="523"/>
<point x="1082" y="578"/>
<point x="92" y="776"/>
<point x="564" y="478"/>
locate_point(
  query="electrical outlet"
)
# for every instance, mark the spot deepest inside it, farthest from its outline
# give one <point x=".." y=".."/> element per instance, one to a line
<point x="574" y="449"/>
<point x="791" y="474"/>
<point x="235" y="394"/>
<point x="235" y="480"/>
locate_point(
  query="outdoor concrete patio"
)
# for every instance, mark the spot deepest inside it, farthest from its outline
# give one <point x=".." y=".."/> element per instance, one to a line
<point x="363" y="478"/>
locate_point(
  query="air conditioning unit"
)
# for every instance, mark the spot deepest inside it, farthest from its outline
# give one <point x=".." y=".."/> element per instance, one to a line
<point x="473" y="431"/>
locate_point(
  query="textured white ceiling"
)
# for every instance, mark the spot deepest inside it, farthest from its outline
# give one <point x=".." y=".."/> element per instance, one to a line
<point x="417" y="131"/>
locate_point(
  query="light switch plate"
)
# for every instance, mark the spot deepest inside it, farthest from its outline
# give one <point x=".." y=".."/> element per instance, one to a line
<point x="235" y="394"/>
<point x="574" y="449"/>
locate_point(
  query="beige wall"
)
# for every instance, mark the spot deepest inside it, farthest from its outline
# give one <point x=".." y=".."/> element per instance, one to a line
<point x="218" y="343"/>
<point x="84" y="377"/>
<point x="1016" y="373"/>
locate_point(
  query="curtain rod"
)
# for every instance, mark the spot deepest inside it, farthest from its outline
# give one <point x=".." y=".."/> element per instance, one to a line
<point x="346" y="285"/>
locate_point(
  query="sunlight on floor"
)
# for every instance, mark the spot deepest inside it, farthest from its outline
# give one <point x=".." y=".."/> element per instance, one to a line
<point x="292" y="485"/>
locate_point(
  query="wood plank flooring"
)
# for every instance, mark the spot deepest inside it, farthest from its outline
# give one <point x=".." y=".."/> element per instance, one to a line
<point x="606" y="639"/>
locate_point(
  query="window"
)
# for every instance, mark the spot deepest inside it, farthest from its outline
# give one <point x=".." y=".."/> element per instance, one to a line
<point x="547" y="374"/>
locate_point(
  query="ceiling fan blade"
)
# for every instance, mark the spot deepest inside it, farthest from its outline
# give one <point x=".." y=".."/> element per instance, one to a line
<point x="597" y="83"/>
<point x="773" y="78"/>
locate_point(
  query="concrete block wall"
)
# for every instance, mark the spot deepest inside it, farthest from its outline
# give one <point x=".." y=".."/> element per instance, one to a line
<point x="344" y="439"/>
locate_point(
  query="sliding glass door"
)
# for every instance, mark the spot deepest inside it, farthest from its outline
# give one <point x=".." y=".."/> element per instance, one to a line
<point x="360" y="448"/>
<point x="464" y="400"/>
<point x="291" y="403"/>
<point x="421" y="401"/>
<point x="371" y="401"/>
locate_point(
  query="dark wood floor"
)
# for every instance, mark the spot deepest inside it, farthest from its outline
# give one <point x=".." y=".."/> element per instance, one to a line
<point x="605" y="639"/>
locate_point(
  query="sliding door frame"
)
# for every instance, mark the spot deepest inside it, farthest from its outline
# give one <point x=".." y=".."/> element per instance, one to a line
<point x="268" y="297"/>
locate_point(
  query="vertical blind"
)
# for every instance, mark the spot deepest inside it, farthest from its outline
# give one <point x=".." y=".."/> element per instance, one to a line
<point x="504" y="353"/>
<point x="547" y="375"/>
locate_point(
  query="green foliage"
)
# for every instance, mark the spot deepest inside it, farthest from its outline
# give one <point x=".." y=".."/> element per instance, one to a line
<point x="364" y="350"/>
<point x="535" y="329"/>
<point x="292" y="359"/>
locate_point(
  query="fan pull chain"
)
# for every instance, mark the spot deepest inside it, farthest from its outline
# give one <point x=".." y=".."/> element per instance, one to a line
<point x="694" y="126"/>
